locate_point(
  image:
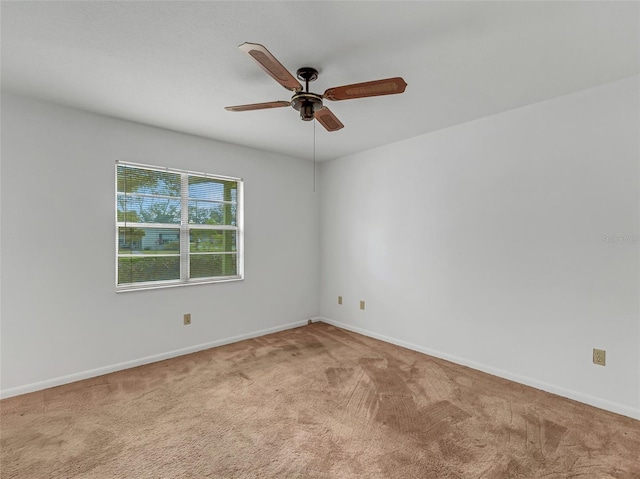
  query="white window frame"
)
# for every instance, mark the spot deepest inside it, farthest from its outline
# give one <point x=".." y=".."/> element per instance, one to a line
<point x="184" y="228"/>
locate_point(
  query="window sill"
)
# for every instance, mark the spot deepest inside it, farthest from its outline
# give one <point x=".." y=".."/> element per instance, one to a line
<point x="175" y="284"/>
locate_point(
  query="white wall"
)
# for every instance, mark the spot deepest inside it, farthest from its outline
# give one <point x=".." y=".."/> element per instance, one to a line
<point x="61" y="317"/>
<point x="483" y="243"/>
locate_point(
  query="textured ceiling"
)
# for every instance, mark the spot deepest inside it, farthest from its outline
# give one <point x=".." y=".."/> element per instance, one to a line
<point x="176" y="64"/>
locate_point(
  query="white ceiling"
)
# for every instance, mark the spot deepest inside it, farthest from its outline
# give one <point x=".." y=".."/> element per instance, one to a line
<point x="175" y="64"/>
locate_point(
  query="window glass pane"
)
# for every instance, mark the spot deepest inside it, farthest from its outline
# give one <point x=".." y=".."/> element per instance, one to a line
<point x="139" y="180"/>
<point x="136" y="269"/>
<point x="148" y="240"/>
<point x="205" y="265"/>
<point x="202" y="188"/>
<point x="144" y="209"/>
<point x="204" y="241"/>
<point x="212" y="213"/>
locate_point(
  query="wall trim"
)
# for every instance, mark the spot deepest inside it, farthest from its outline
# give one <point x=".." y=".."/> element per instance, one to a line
<point x="91" y="373"/>
<point x="610" y="406"/>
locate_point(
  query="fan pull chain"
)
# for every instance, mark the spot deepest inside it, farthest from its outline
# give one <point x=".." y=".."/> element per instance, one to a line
<point x="314" y="155"/>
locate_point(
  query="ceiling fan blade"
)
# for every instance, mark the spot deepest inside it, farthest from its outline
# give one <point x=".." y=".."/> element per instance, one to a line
<point x="271" y="65"/>
<point x="388" y="86"/>
<point x="327" y="119"/>
<point x="258" y="106"/>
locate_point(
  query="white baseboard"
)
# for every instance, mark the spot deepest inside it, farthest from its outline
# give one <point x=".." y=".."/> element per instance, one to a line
<point x="91" y="373"/>
<point x="551" y="388"/>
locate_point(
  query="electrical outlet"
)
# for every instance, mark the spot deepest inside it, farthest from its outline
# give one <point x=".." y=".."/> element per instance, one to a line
<point x="599" y="357"/>
<point x="339" y="299"/>
<point x="361" y="304"/>
<point x="187" y="318"/>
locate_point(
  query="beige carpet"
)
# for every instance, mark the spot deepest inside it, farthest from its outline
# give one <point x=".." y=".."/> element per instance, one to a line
<point x="312" y="402"/>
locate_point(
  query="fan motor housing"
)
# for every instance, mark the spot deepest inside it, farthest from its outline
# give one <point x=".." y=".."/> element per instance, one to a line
<point x="307" y="104"/>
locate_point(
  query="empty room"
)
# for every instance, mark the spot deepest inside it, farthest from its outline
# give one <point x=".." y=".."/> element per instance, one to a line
<point x="320" y="239"/>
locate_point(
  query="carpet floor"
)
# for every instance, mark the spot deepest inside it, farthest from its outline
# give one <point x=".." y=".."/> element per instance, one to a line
<point x="311" y="402"/>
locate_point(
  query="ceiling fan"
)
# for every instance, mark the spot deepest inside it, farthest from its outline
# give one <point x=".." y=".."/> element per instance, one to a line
<point x="307" y="103"/>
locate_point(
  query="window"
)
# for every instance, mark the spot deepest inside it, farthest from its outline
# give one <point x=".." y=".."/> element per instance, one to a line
<point x="176" y="227"/>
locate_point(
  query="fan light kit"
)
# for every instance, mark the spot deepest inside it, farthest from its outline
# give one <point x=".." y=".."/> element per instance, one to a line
<point x="307" y="103"/>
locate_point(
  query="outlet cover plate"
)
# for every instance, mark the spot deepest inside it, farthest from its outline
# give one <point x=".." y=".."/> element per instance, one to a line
<point x="599" y="357"/>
